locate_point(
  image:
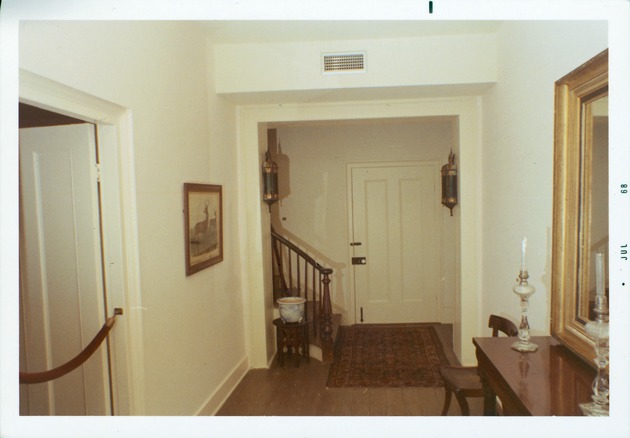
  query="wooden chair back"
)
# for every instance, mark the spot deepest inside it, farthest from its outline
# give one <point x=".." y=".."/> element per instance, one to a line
<point x="503" y="325"/>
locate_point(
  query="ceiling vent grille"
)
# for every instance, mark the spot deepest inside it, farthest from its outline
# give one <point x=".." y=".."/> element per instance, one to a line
<point x="336" y="63"/>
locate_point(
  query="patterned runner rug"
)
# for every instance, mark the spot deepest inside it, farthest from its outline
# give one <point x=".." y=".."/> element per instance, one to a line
<point x="387" y="355"/>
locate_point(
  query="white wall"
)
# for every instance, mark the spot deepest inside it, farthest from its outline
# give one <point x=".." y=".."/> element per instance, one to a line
<point x="313" y="206"/>
<point x="517" y="177"/>
<point x="470" y="59"/>
<point x="192" y="326"/>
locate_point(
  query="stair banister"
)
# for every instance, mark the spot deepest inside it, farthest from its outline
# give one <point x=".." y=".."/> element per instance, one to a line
<point x="320" y="288"/>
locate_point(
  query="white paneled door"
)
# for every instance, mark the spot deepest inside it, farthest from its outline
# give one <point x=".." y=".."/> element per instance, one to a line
<point x="62" y="293"/>
<point x="396" y="242"/>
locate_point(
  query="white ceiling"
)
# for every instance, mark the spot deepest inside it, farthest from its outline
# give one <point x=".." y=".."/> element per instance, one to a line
<point x="241" y="31"/>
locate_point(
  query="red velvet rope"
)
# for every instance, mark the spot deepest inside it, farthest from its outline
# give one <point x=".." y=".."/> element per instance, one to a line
<point x="55" y="373"/>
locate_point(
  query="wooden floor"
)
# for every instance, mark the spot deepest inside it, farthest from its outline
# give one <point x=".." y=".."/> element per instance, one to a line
<point x="288" y="391"/>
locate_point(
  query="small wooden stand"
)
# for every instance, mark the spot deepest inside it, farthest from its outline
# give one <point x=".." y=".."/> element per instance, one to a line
<point x="293" y="336"/>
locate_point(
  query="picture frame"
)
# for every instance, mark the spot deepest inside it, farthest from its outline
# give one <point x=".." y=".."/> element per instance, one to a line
<point x="203" y="230"/>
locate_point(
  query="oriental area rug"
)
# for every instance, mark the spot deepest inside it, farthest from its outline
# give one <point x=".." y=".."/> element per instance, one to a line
<point x="387" y="356"/>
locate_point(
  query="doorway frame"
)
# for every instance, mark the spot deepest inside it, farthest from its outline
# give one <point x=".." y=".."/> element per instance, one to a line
<point x="120" y="225"/>
<point x="255" y="224"/>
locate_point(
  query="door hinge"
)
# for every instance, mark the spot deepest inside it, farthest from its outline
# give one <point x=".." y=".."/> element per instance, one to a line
<point x="361" y="314"/>
<point x="98" y="172"/>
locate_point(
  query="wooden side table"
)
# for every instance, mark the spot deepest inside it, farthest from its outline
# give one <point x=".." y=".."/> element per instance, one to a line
<point x="550" y="381"/>
<point x="294" y="337"/>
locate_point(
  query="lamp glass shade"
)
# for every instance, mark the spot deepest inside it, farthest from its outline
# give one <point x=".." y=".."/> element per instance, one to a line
<point x="270" y="180"/>
<point x="449" y="183"/>
<point x="270" y="187"/>
<point x="449" y="189"/>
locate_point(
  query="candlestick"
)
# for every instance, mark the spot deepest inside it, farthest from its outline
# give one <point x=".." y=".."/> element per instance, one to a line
<point x="599" y="273"/>
<point x="524" y="291"/>
<point x="599" y="331"/>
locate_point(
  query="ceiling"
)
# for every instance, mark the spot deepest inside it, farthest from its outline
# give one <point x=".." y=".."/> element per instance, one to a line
<point x="242" y="31"/>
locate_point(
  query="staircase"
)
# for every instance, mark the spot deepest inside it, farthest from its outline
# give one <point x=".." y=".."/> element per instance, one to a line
<point x="297" y="274"/>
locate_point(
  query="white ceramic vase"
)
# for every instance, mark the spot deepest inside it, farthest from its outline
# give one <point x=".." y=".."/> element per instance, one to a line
<point x="291" y="309"/>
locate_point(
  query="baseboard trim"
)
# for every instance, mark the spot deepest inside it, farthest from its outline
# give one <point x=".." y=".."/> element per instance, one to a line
<point x="220" y="395"/>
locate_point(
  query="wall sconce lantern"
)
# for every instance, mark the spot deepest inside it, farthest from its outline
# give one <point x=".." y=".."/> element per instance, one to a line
<point x="270" y="180"/>
<point x="449" y="183"/>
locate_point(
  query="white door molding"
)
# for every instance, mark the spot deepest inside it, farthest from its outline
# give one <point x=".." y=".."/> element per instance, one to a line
<point x="119" y="221"/>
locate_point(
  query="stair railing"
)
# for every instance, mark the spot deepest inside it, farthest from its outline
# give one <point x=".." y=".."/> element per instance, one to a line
<point x="295" y="273"/>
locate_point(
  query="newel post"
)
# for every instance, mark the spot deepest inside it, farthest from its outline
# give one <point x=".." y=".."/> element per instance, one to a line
<point x="327" y="313"/>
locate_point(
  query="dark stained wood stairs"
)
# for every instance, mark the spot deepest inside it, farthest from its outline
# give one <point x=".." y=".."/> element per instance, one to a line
<point x="315" y="335"/>
<point x="296" y="274"/>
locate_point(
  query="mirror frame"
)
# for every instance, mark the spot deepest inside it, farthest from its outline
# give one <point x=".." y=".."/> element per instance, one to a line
<point x="569" y="201"/>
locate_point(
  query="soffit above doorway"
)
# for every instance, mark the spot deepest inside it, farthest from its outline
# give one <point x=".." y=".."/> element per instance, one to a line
<point x="356" y="94"/>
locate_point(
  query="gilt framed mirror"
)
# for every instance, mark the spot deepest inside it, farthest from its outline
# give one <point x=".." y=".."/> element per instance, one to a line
<point x="580" y="200"/>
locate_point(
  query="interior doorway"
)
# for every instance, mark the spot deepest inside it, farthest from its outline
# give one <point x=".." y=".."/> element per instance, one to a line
<point x="120" y="226"/>
<point x="463" y="240"/>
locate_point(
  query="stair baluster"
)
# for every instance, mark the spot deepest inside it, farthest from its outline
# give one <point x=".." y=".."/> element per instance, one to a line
<point x="318" y="302"/>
